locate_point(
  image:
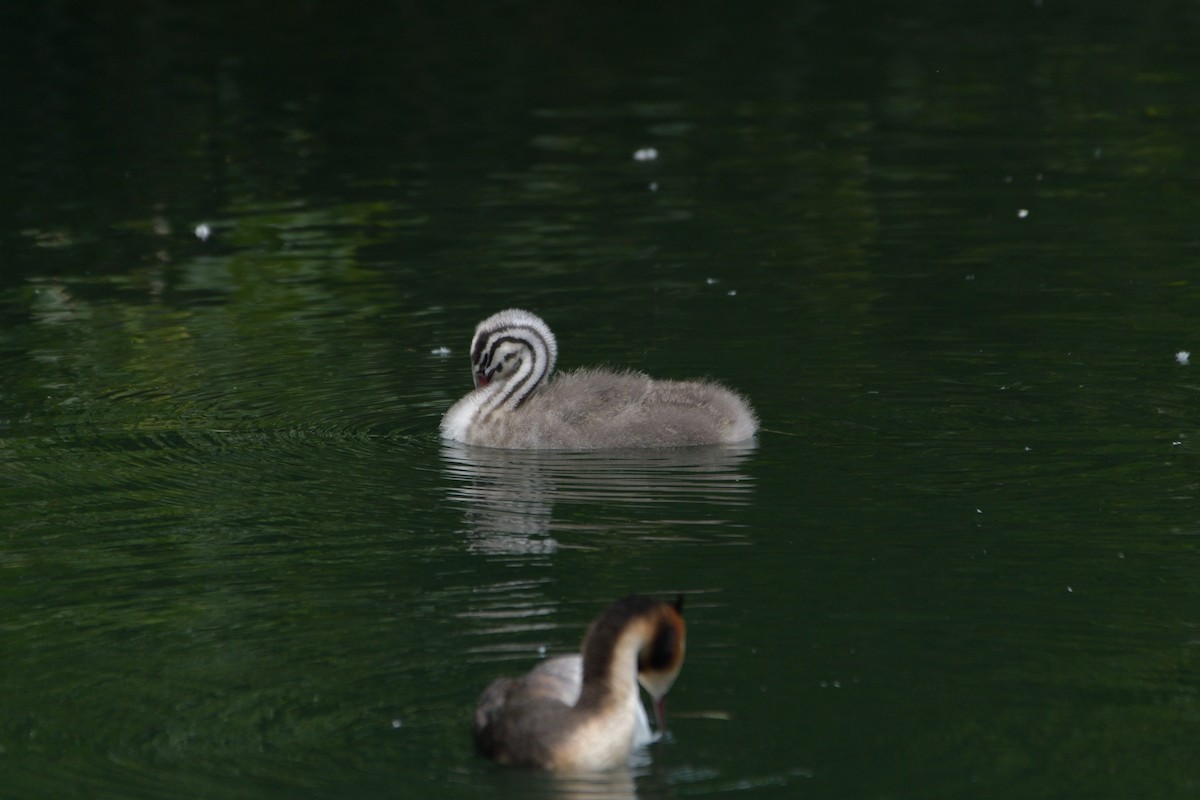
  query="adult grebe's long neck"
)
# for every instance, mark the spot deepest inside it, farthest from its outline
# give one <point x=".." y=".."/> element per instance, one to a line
<point x="633" y="635"/>
<point x="610" y="670"/>
<point x="513" y="352"/>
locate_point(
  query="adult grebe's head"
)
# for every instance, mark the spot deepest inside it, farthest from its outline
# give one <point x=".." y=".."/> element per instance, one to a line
<point x="659" y="662"/>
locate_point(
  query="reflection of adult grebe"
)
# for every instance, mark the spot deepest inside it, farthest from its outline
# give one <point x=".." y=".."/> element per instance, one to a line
<point x="516" y="405"/>
<point x="561" y="717"/>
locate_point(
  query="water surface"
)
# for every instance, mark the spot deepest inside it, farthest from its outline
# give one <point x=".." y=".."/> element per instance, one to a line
<point x="949" y="255"/>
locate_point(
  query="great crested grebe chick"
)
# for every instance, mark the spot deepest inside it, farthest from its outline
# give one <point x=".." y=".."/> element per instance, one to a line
<point x="517" y="405"/>
<point x="553" y="720"/>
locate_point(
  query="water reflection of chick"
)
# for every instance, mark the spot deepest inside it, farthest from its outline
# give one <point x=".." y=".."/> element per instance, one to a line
<point x="511" y="497"/>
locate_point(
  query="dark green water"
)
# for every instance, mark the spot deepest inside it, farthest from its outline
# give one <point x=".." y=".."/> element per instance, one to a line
<point x="949" y="254"/>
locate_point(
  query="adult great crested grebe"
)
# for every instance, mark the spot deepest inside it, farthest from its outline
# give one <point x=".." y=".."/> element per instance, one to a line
<point x="563" y="718"/>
